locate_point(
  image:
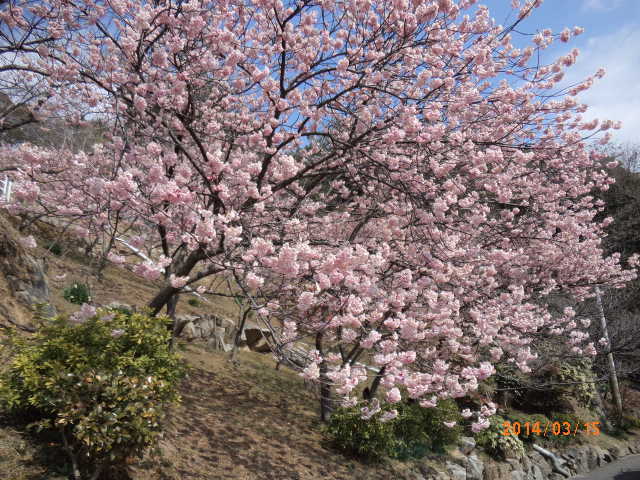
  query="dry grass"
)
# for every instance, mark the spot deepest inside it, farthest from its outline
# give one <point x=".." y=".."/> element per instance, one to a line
<point x="249" y="422"/>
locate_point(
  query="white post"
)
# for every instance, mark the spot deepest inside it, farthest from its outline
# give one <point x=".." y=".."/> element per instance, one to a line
<point x="613" y="377"/>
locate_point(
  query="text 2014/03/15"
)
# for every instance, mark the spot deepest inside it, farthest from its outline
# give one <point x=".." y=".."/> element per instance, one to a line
<point x="549" y="428"/>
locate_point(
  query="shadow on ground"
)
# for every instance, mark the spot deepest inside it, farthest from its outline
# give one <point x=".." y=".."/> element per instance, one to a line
<point x="628" y="475"/>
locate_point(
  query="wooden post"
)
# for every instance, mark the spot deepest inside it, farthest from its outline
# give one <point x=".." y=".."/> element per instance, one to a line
<point x="613" y="377"/>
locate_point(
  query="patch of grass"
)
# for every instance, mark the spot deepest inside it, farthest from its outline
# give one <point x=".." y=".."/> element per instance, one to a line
<point x="194" y="302"/>
<point x="77" y="293"/>
<point x="55" y="248"/>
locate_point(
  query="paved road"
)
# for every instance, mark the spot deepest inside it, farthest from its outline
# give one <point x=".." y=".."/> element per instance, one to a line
<point x="627" y="468"/>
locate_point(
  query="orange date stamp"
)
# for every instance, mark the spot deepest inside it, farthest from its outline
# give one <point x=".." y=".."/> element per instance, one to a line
<point x="545" y="429"/>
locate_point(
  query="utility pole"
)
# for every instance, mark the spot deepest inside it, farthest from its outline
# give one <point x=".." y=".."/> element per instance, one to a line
<point x="613" y="377"/>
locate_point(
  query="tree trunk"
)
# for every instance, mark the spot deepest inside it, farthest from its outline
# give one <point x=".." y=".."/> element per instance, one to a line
<point x="325" y="384"/>
<point x="165" y="294"/>
<point x="613" y="377"/>
<point x="171" y="313"/>
<point x="238" y="335"/>
<point x="370" y="393"/>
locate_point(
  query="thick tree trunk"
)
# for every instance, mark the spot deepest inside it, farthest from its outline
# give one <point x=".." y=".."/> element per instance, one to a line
<point x="167" y="292"/>
<point x="161" y="299"/>
<point x="325" y="384"/>
<point x="370" y="393"/>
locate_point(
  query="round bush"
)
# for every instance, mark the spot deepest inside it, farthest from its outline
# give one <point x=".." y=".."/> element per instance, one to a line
<point x="77" y="293"/>
<point x="103" y="383"/>
<point x="369" y="440"/>
<point x="419" y="429"/>
<point x="414" y="431"/>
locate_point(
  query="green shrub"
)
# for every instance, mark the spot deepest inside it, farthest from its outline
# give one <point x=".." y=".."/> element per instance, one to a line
<point x="630" y="422"/>
<point x="103" y="384"/>
<point x="498" y="445"/>
<point x="194" y="302"/>
<point x="55" y="248"/>
<point x="553" y="388"/>
<point x="419" y="429"/>
<point x="77" y="293"/>
<point x="414" y="432"/>
<point x="580" y="378"/>
<point x="120" y="309"/>
<point x="558" y="441"/>
<point x="369" y="440"/>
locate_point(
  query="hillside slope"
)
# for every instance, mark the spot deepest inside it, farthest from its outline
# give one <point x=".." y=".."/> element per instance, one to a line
<point x="245" y="422"/>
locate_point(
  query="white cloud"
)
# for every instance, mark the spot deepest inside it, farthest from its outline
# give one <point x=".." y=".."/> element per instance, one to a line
<point x="600" y="5"/>
<point x="617" y="95"/>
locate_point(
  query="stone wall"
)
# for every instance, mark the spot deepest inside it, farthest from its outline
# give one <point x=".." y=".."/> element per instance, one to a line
<point x="466" y="463"/>
<point x="23" y="281"/>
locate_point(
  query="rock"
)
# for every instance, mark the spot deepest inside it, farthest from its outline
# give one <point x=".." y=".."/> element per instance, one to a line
<point x="555" y="476"/>
<point x="257" y="339"/>
<point x="23" y="282"/>
<point x="224" y="322"/>
<point x="515" y="464"/>
<point x="427" y="470"/>
<point x="189" y="331"/>
<point x="615" y="452"/>
<point x="541" y="462"/>
<point x="216" y="342"/>
<point x="456" y="472"/>
<point x="466" y="445"/>
<point x="603" y="456"/>
<point x="211" y="328"/>
<point x="592" y="458"/>
<point x="518" y="475"/>
<point x="415" y="476"/>
<point x="496" y="471"/>
<point x="474" y="467"/>
<point x="536" y="473"/>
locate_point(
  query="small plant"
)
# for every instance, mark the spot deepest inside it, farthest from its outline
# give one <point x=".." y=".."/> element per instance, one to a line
<point x="194" y="302"/>
<point x="631" y="422"/>
<point x="77" y="293"/>
<point x="498" y="445"/>
<point x="55" y="248"/>
<point x="565" y="423"/>
<point x="103" y="384"/>
<point x="369" y="440"/>
<point x="420" y="429"/>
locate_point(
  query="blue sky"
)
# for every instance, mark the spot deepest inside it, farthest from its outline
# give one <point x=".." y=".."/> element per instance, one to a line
<point x="611" y="40"/>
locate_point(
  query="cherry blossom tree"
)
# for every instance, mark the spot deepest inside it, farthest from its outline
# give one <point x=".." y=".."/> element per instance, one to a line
<point x="394" y="178"/>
